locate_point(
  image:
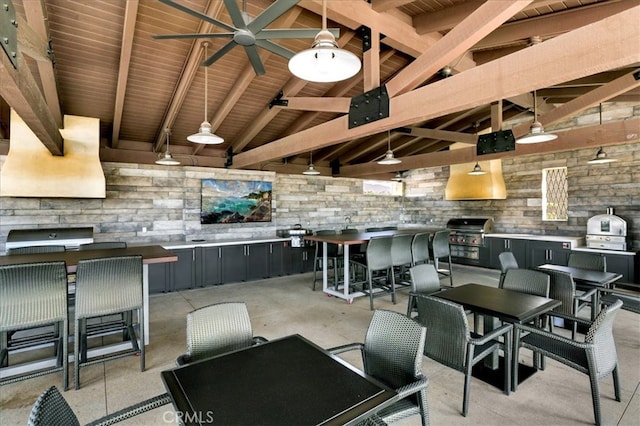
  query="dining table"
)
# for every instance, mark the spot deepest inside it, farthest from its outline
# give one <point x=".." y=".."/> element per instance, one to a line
<point x="150" y="254"/>
<point x="285" y="381"/>
<point x="589" y="279"/>
<point x="498" y="304"/>
<point x="347" y="240"/>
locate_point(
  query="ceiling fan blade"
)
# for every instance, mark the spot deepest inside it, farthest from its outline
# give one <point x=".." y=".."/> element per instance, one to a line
<point x="294" y="33"/>
<point x="198" y="15"/>
<point x="234" y="12"/>
<point x="193" y="35"/>
<point x="270" y="14"/>
<point x="220" y="53"/>
<point x="275" y="48"/>
<point x="254" y="58"/>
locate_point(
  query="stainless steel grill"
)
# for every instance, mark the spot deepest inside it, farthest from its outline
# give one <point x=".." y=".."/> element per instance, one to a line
<point x="71" y="238"/>
<point x="466" y="238"/>
<point x="607" y="231"/>
<point x="296" y="234"/>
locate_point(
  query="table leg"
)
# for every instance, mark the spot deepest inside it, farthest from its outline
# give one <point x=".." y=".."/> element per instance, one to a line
<point x="490" y="323"/>
<point x="325" y="270"/>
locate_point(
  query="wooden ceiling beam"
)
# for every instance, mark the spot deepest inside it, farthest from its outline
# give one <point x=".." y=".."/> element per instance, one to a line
<point x="371" y="63"/>
<point x="579" y="53"/>
<point x="482" y="21"/>
<point x="324" y="104"/>
<point x="445" y="19"/>
<point x="444" y="135"/>
<point x="384" y="5"/>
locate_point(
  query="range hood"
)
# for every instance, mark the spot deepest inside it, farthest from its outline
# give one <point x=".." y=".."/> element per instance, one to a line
<point x="30" y="170"/>
<point x="462" y="186"/>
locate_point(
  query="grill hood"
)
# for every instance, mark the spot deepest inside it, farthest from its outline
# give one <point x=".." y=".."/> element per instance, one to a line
<point x="462" y="186"/>
<point x="30" y="170"/>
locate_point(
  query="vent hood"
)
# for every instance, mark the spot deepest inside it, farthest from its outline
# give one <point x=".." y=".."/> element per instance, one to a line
<point x="462" y="186"/>
<point x="30" y="170"/>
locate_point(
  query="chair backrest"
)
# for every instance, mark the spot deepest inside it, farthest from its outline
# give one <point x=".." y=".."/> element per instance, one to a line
<point x="332" y="249"/>
<point x="217" y="329"/>
<point x="527" y="281"/>
<point x="349" y="231"/>
<point x="600" y="334"/>
<point x="441" y="243"/>
<point x="401" y="249"/>
<point x="379" y="253"/>
<point x="375" y="229"/>
<point x="420" y="248"/>
<point x="52" y="409"/>
<point x="507" y="261"/>
<point x="591" y="261"/>
<point x="103" y="245"/>
<point x="32" y="294"/>
<point x="562" y="288"/>
<point x="447" y="330"/>
<point x="393" y="348"/>
<point x="36" y="249"/>
<point x="108" y="285"/>
<point x="424" y="279"/>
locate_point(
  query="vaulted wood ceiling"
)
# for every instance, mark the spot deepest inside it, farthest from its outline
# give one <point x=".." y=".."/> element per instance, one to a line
<point x="450" y="68"/>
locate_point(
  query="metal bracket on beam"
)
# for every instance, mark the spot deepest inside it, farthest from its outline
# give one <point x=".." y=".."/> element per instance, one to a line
<point x="9" y="32"/>
<point x="368" y="107"/>
<point x="365" y="33"/>
<point x="278" y="101"/>
<point x="335" y="167"/>
<point x="500" y="141"/>
<point x="636" y="75"/>
<point x="229" y="161"/>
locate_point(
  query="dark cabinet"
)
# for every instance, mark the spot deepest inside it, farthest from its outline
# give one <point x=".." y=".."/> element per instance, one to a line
<point x="276" y="254"/>
<point x="209" y="260"/>
<point x="245" y="262"/>
<point x="159" y="279"/>
<point x="541" y="252"/>
<point x="183" y="272"/>
<point x="624" y="264"/>
<point x="515" y="245"/>
<point x="299" y="260"/>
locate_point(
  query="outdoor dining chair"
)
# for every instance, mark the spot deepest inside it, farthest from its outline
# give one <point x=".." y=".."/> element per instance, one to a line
<point x="507" y="261"/>
<point x="103" y="245"/>
<point x="425" y="281"/>
<point x="420" y="248"/>
<point x="451" y="343"/>
<point x="441" y="250"/>
<point x="392" y="353"/>
<point x="596" y="356"/>
<point x="333" y="258"/>
<point x="379" y="269"/>
<point x="105" y="287"/>
<point x="34" y="295"/>
<point x="591" y="261"/>
<point x="216" y="329"/>
<point x="401" y="258"/>
<point x="36" y="249"/>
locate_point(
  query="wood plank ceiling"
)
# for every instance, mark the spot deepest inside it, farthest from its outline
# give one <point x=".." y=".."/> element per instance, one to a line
<point x="451" y="68"/>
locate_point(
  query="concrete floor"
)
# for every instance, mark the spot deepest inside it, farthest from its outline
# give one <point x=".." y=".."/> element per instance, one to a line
<point x="283" y="306"/>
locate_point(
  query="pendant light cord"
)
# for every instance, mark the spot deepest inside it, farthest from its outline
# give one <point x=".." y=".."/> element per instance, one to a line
<point x="324" y="15"/>
<point x="205" y="82"/>
<point x="535" y="107"/>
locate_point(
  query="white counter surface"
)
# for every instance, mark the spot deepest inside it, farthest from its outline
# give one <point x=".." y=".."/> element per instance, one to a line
<point x="574" y="241"/>
<point x="207" y="243"/>
<point x="603" y="251"/>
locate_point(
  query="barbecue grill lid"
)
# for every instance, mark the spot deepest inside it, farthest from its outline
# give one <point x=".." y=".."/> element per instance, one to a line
<point x="48" y="236"/>
<point x="483" y="224"/>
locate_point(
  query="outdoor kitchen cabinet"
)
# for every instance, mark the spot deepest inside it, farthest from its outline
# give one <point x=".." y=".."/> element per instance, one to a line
<point x="515" y="245"/>
<point x="276" y="255"/>
<point x="542" y="252"/>
<point x="298" y="260"/>
<point x="209" y="261"/>
<point x="183" y="272"/>
<point x="245" y="262"/>
<point x="159" y="278"/>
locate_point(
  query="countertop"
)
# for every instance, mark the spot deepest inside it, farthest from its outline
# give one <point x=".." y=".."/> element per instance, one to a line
<point x="208" y="243"/>
<point x="575" y="241"/>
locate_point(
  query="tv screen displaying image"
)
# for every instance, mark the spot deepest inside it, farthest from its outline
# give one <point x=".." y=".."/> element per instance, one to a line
<point x="235" y="201"/>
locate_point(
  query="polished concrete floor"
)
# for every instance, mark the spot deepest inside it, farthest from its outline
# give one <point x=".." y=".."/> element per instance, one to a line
<point x="283" y="306"/>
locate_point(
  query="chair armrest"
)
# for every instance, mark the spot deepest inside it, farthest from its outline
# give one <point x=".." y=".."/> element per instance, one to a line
<point x="505" y="328"/>
<point x="345" y="348"/>
<point x="553" y="336"/>
<point x="582" y="321"/>
<point x="132" y="411"/>
<point x="413" y="387"/>
<point x="256" y="340"/>
<point x="586" y="295"/>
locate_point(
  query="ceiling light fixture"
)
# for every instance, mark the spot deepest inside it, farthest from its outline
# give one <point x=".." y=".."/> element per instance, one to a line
<point x="601" y="156"/>
<point x="536" y="131"/>
<point x="398" y="177"/>
<point x="325" y="62"/>
<point x="311" y="170"/>
<point x="204" y="136"/>
<point x="388" y="156"/>
<point x="477" y="170"/>
<point x="167" y="159"/>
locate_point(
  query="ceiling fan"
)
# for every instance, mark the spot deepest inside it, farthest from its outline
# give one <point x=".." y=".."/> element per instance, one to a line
<point x="248" y="32"/>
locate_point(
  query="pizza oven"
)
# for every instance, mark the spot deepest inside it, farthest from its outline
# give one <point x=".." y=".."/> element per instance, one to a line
<point x="607" y="231"/>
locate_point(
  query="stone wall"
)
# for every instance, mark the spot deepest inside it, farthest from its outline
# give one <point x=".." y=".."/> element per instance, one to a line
<point x="148" y="203"/>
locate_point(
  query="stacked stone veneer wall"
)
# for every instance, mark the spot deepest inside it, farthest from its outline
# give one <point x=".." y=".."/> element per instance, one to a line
<point x="166" y="201"/>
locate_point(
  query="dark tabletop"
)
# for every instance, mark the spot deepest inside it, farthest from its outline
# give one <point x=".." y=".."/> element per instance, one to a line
<point x="363" y="237"/>
<point x="508" y="305"/>
<point x="586" y="276"/>
<point x="289" y="381"/>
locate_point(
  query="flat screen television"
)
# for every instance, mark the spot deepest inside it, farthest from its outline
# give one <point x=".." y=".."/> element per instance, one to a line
<point x="235" y="201"/>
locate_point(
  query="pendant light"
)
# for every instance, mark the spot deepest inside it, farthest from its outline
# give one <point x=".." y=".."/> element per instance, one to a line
<point x="536" y="131"/>
<point x="204" y="136"/>
<point x="388" y="157"/>
<point x="325" y="62"/>
<point x="601" y="156"/>
<point x="311" y="170"/>
<point x="167" y="159"/>
<point x="398" y="177"/>
<point x="477" y="170"/>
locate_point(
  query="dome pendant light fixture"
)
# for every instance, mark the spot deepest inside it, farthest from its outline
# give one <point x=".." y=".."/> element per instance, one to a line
<point x="389" y="159"/>
<point x="325" y="62"/>
<point x="477" y="170"/>
<point x="536" y="131"/>
<point x="311" y="171"/>
<point x="601" y="156"/>
<point x="204" y="136"/>
<point x="167" y="159"/>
